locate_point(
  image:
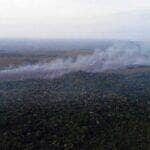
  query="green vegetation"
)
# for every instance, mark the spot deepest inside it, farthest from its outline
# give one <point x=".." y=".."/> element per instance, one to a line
<point x="77" y="111"/>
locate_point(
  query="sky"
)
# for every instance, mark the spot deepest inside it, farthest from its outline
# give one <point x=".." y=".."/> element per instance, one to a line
<point x="75" y="19"/>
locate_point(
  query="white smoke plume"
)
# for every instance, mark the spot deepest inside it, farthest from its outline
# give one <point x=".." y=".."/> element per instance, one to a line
<point x="119" y="55"/>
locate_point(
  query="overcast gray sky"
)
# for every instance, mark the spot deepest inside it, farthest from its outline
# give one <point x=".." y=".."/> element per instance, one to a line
<point x="75" y="18"/>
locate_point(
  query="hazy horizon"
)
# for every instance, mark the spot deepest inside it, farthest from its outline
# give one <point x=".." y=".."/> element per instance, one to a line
<point x="80" y="19"/>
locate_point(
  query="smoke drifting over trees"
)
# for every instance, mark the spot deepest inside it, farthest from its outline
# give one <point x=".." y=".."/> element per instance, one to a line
<point x="119" y="55"/>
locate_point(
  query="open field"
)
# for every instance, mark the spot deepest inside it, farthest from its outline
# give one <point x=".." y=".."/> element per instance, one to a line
<point x="21" y="58"/>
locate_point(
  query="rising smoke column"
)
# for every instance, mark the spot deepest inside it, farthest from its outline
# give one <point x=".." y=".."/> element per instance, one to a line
<point x="119" y="55"/>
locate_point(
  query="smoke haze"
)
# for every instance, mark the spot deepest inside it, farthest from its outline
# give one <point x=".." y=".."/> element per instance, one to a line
<point x="72" y="19"/>
<point x="119" y="55"/>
